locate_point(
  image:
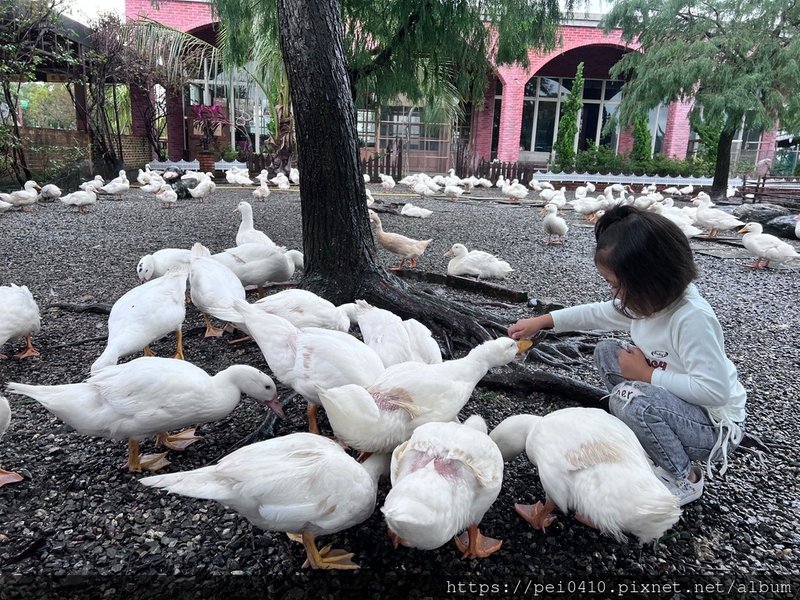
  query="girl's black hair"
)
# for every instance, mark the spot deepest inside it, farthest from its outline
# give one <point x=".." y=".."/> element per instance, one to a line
<point x="649" y="255"/>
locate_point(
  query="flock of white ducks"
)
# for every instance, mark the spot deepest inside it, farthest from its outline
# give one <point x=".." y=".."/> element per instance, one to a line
<point x="391" y="394"/>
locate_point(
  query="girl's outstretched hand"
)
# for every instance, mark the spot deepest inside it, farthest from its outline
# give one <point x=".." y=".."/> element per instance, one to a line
<point x="528" y="328"/>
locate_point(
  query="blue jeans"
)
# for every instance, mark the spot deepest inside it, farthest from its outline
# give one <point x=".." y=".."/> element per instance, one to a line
<point x="672" y="431"/>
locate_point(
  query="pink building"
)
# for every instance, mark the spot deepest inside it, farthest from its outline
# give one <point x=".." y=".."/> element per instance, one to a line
<point x="519" y="119"/>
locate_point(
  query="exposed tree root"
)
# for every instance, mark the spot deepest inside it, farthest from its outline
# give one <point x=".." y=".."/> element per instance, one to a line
<point x="466" y="283"/>
<point x="518" y="379"/>
<point x="98" y="307"/>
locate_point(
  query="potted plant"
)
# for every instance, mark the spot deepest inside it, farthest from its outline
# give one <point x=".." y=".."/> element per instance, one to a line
<point x="230" y="154"/>
<point x="208" y="122"/>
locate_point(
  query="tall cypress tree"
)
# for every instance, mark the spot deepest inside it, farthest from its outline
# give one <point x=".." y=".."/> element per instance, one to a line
<point x="568" y="124"/>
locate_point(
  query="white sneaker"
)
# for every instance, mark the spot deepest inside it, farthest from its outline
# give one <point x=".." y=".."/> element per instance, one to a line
<point x="683" y="489"/>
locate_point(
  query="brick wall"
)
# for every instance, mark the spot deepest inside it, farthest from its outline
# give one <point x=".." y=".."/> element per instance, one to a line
<point x="48" y="150"/>
<point x="180" y="14"/>
<point x="136" y="151"/>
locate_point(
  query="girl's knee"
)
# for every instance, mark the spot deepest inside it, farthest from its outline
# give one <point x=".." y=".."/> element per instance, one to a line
<point x="627" y="398"/>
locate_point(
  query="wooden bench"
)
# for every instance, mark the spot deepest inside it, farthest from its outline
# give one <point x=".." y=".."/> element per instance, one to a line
<point x="183" y="165"/>
<point x="225" y="165"/>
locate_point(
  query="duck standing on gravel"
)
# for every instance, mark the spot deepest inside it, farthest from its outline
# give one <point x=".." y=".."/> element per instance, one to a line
<point x="405" y="247"/>
<point x="302" y="484"/>
<point x="149" y="396"/>
<point x="590" y="462"/>
<point x="21" y="318"/>
<point x="765" y="247"/>
<point x="5" y="419"/>
<point x="444" y="479"/>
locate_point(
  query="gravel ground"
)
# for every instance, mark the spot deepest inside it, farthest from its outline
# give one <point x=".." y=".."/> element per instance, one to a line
<point x="79" y="526"/>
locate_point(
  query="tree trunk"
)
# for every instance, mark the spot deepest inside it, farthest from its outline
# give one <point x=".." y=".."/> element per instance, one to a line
<point x="723" y="165"/>
<point x="340" y="258"/>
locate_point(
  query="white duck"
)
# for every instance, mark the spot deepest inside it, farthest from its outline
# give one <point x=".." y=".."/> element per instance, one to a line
<point x="515" y="190"/>
<point x="117" y="185"/>
<point x="262" y="192"/>
<point x="167" y="196"/>
<point x="159" y="262"/>
<point x="714" y="219"/>
<point x="23" y="198"/>
<point x="394" y="340"/>
<point x="409" y="210"/>
<point x="554" y="225"/>
<point x="476" y="262"/>
<point x="405" y="247"/>
<point x="309" y="358"/>
<point x="144" y="314"/>
<point x="387" y="181"/>
<point x="765" y="247"/>
<point x="247" y="233"/>
<point x="205" y="185"/>
<point x="294" y="176"/>
<point x="81" y="199"/>
<point x="444" y="479"/>
<point x="453" y="191"/>
<point x="150" y="396"/>
<point x="49" y="193"/>
<point x="237" y="176"/>
<point x="20" y="318"/>
<point x="377" y="416"/>
<point x="212" y="285"/>
<point x="298" y="483"/>
<point x="93" y="184"/>
<point x="4" y="206"/>
<point x="5" y="418"/>
<point x="303" y="309"/>
<point x="257" y="264"/>
<point x="591" y="462"/>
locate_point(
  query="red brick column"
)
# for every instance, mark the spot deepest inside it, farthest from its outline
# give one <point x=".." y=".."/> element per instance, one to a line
<point x="175" y="127"/>
<point x="676" y="137"/>
<point x="514" y="80"/>
<point x="767" y="147"/>
<point x="483" y="122"/>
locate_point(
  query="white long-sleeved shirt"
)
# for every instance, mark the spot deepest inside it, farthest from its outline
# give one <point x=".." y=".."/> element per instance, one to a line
<point x="685" y="344"/>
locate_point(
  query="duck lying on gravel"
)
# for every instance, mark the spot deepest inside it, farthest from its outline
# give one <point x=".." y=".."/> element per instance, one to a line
<point x="476" y="262"/>
<point x="590" y="462"/>
<point x="444" y="479"/>
<point x="298" y="483"/>
<point x="150" y="396"/>
<point x="21" y="318"/>
<point x="5" y="419"/>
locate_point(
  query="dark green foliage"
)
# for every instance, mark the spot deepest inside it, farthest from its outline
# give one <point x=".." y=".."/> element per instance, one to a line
<point x="709" y="132"/>
<point x="730" y="57"/>
<point x="603" y="160"/>
<point x="417" y="48"/>
<point x="642" y="141"/>
<point x="564" y="146"/>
